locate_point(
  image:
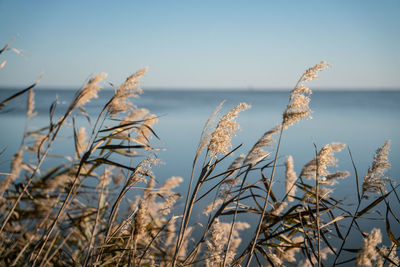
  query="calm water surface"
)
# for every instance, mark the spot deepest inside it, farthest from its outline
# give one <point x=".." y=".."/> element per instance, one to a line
<point x="361" y="119"/>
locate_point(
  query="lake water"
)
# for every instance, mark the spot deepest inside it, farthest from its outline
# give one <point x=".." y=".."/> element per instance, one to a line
<point x="361" y="119"/>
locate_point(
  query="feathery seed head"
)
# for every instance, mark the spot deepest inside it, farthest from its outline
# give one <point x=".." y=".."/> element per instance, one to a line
<point x="218" y="238"/>
<point x="368" y="253"/>
<point x="278" y="208"/>
<point x="390" y="253"/>
<point x="2" y="64"/>
<point x="164" y="208"/>
<point x="300" y="89"/>
<point x="144" y="131"/>
<point x="323" y="193"/>
<point x="130" y="88"/>
<point x="31" y="104"/>
<point x="220" y="142"/>
<point x="314" y="261"/>
<point x="374" y="180"/>
<point x="276" y="261"/>
<point x="325" y="158"/>
<point x="212" y="206"/>
<point x="312" y="73"/>
<point x="90" y="90"/>
<point x="16" y="167"/>
<point x="236" y="164"/>
<point x="171" y="183"/>
<point x="106" y="177"/>
<point x="291" y="178"/>
<point x="39" y="139"/>
<point x="298" y="108"/>
<point x="231" y="178"/>
<point x="206" y="133"/>
<point x="81" y="141"/>
<point x="143" y="170"/>
<point x="257" y="153"/>
<point x="134" y="115"/>
<point x="331" y="178"/>
<point x="60" y="181"/>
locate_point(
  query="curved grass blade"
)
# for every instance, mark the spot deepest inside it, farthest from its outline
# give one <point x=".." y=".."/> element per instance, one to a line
<point x="373" y="204"/>
<point x="6" y="46"/>
<point x="4" y="102"/>
<point x="356" y="175"/>
<point x="389" y="231"/>
<point x="109" y="162"/>
<point x="111" y="147"/>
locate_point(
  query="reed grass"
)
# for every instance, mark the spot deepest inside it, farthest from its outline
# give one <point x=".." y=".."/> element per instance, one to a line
<point x="72" y="212"/>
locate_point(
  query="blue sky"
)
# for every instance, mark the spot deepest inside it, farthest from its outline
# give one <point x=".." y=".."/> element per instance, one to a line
<point x="203" y="44"/>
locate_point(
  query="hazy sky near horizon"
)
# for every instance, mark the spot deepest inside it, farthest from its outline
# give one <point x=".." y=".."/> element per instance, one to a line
<point x="203" y="44"/>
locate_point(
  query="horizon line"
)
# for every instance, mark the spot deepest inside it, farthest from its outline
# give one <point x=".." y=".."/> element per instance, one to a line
<point x="181" y="88"/>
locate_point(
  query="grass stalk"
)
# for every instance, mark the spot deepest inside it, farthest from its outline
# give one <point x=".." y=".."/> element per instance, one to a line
<point x="317" y="206"/>
<point x="266" y="201"/>
<point x="74" y="184"/>
<point x="29" y="181"/>
<point x="339" y="251"/>
<point x="234" y="215"/>
<point x="92" y="237"/>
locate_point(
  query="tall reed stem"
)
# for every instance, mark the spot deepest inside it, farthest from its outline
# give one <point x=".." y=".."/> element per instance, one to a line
<point x="75" y="182"/>
<point x="317" y="205"/>
<point x="186" y="212"/>
<point x="28" y="183"/>
<point x="234" y="215"/>
<point x="266" y="200"/>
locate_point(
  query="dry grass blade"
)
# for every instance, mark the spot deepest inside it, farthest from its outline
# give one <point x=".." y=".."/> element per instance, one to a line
<point x="267" y="187"/>
<point x="339" y="218"/>
<point x="2" y="64"/>
<point x="6" y="46"/>
<point x="205" y="134"/>
<point x="5" y="101"/>
<point x="356" y="175"/>
<point x="371" y="205"/>
<point x="114" y="147"/>
<point x="112" y="163"/>
<point x="389" y="230"/>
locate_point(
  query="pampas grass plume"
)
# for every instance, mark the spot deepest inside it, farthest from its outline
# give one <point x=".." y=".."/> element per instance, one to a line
<point x="220" y="142"/>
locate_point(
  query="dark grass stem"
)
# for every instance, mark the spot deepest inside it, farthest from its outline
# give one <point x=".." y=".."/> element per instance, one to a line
<point x="356" y="175"/>
<point x="347" y="234"/>
<point x="359" y="197"/>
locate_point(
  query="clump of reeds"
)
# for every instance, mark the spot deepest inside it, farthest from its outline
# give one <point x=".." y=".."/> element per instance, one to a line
<point x="104" y="206"/>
